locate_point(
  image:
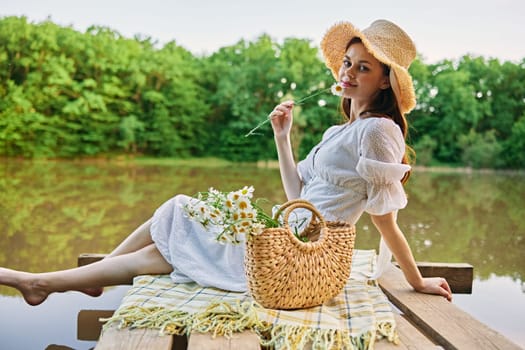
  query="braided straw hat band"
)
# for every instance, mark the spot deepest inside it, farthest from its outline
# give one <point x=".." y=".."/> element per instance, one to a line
<point x="384" y="40"/>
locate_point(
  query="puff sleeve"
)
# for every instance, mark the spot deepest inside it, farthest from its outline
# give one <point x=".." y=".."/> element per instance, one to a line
<point x="381" y="151"/>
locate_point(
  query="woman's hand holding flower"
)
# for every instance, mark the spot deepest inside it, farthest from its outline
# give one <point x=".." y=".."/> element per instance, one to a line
<point x="282" y="119"/>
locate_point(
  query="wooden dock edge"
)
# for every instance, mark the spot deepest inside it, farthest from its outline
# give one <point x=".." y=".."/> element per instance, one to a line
<point x="128" y="339"/>
<point x="441" y="321"/>
<point x="458" y="275"/>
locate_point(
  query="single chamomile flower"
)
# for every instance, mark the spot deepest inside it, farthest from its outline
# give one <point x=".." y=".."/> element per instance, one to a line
<point x="337" y="89"/>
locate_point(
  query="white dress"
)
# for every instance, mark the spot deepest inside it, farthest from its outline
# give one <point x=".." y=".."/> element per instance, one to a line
<point x="356" y="168"/>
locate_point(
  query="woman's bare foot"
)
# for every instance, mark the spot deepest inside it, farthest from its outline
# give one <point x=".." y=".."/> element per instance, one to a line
<point x="33" y="289"/>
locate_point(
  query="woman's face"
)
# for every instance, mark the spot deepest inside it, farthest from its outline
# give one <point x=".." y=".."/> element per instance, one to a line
<point x="361" y="75"/>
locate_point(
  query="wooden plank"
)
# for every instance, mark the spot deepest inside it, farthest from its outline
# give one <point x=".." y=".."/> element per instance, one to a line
<point x="458" y="275"/>
<point x="128" y="339"/>
<point x="89" y="328"/>
<point x="88" y="325"/>
<point x="246" y="340"/>
<point x="89" y="258"/>
<point x="442" y="321"/>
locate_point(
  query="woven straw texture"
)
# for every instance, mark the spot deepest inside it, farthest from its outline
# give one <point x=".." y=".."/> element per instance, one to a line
<point x="286" y="273"/>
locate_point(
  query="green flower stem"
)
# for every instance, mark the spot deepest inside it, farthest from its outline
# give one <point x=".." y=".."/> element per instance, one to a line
<point x="252" y="132"/>
<point x="296" y="103"/>
<point x="301" y="101"/>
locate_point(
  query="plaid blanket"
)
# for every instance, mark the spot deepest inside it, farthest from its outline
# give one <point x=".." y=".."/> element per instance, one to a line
<point x="355" y="319"/>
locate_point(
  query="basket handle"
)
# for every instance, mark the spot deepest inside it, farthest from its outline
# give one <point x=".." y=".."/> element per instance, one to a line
<point x="289" y="206"/>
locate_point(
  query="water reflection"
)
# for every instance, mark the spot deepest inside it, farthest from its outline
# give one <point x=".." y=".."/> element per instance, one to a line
<point x="23" y="327"/>
<point x="52" y="211"/>
<point x="72" y="207"/>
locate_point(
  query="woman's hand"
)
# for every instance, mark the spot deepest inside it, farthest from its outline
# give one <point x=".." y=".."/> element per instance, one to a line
<point x="281" y="119"/>
<point x="435" y="285"/>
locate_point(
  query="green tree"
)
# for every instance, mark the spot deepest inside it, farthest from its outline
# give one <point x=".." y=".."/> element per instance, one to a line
<point x="64" y="93"/>
<point x="480" y="150"/>
<point x="514" y="147"/>
<point x="424" y="149"/>
<point x="499" y="90"/>
<point x="172" y="104"/>
<point x="448" y="110"/>
<point x="130" y="126"/>
<point x="243" y="82"/>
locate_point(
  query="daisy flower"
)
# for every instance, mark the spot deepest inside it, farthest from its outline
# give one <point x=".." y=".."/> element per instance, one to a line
<point x="234" y="214"/>
<point x="337" y="89"/>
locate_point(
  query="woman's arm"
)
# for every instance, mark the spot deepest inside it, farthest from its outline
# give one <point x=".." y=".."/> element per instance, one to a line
<point x="396" y="241"/>
<point x="282" y="118"/>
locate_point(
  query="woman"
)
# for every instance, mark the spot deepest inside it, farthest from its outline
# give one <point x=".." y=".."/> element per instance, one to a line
<point x="360" y="165"/>
<point x="357" y="167"/>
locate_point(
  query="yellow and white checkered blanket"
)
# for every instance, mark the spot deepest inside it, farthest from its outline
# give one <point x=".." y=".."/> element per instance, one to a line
<point x="354" y="319"/>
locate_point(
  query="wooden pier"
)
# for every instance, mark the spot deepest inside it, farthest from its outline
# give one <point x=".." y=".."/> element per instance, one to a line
<point x="423" y="321"/>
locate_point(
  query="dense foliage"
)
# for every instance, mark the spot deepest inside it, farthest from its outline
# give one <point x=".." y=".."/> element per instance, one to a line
<point x="65" y="94"/>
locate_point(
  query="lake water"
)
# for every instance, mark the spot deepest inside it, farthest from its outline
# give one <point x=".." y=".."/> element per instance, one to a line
<point x="50" y="212"/>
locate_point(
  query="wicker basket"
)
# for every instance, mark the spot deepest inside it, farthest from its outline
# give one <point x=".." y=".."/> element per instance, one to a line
<point x="286" y="273"/>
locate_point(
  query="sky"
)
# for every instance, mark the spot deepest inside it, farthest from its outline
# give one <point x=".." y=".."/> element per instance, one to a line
<point x="441" y="29"/>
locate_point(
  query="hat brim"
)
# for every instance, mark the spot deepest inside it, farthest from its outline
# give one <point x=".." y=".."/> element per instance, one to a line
<point x="333" y="47"/>
<point x="403" y="87"/>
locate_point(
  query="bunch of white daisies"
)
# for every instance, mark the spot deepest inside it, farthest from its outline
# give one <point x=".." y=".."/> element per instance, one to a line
<point x="234" y="213"/>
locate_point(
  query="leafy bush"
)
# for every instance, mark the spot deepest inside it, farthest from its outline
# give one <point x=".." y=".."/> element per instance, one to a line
<point x="480" y="150"/>
<point x="424" y="150"/>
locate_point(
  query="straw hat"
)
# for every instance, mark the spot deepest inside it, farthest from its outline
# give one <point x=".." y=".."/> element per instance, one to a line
<point x="386" y="42"/>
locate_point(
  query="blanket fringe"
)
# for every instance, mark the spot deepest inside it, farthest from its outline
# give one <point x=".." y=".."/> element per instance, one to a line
<point x="219" y="319"/>
<point x="298" y="337"/>
<point x="387" y="330"/>
<point x="224" y="319"/>
<point x="167" y="322"/>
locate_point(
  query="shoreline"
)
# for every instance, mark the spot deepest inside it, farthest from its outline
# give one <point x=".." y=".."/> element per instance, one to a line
<point x="219" y="162"/>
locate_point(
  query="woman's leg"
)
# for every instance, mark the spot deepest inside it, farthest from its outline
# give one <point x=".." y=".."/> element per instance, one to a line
<point x="35" y="287"/>
<point x="138" y="239"/>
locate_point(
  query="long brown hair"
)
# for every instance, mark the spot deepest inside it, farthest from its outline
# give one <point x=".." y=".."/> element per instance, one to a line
<point x="383" y="106"/>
